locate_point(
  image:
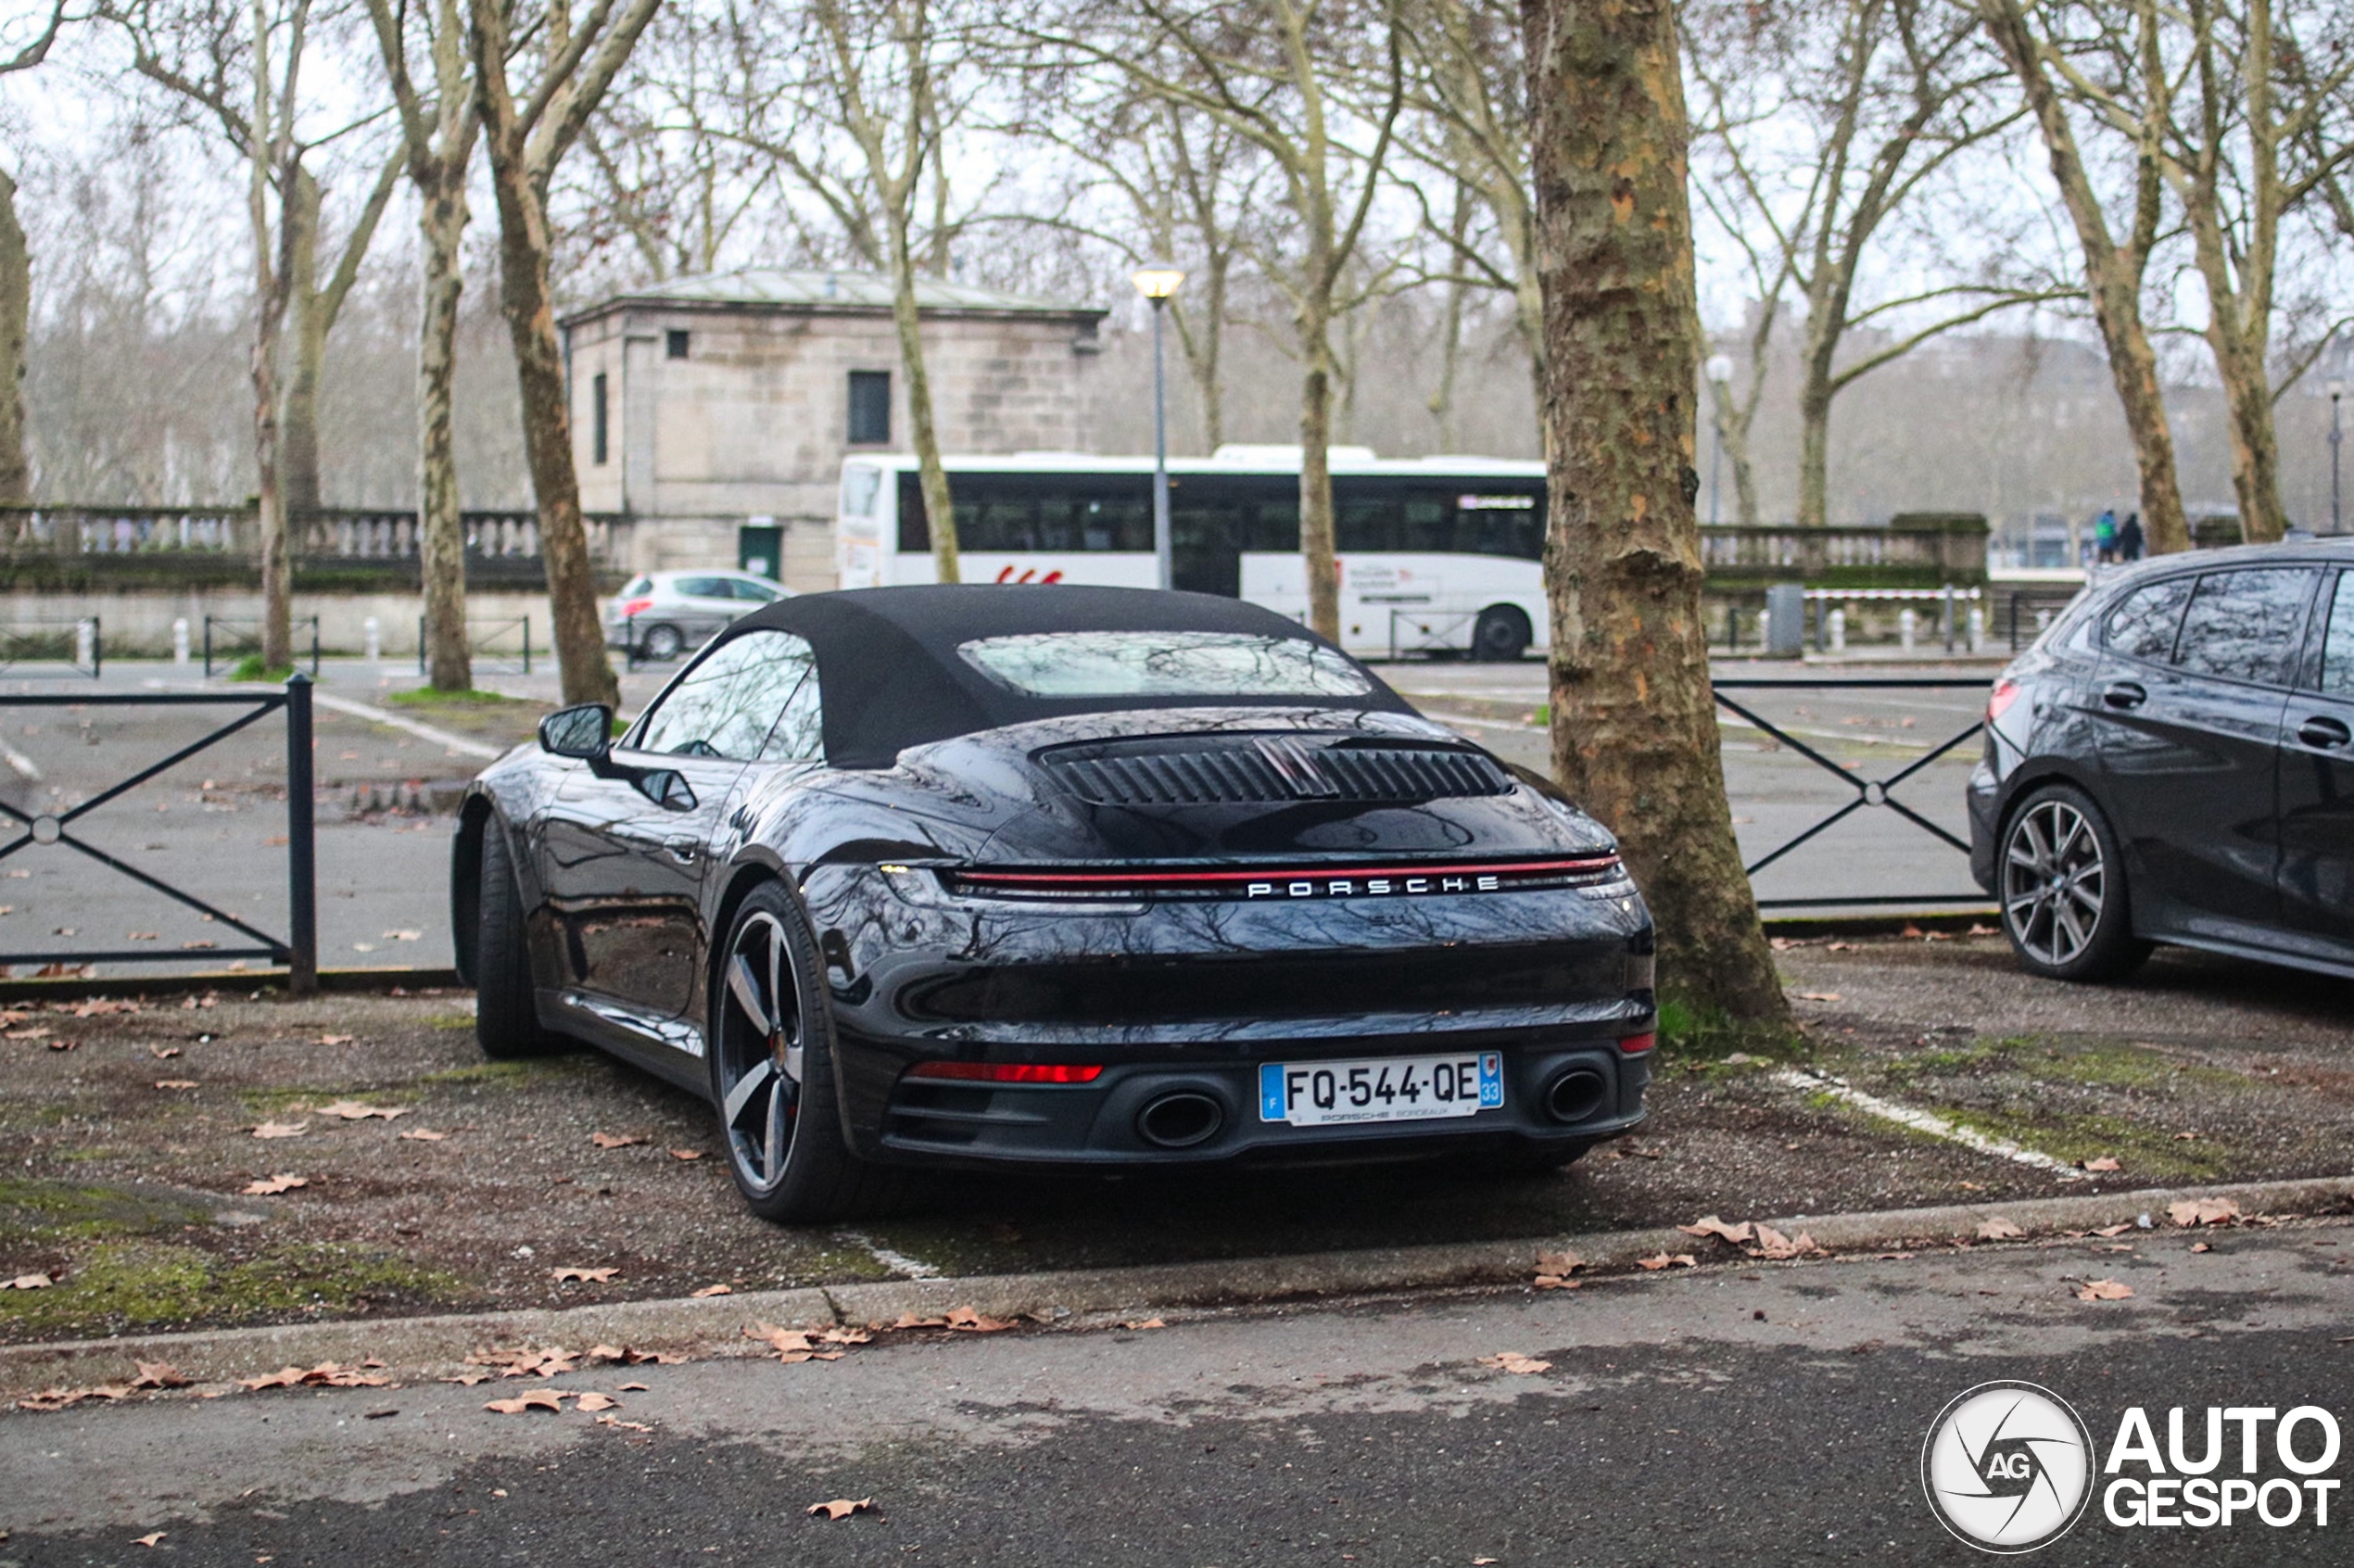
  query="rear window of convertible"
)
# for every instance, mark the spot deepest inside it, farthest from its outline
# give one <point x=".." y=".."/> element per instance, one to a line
<point x="1166" y="663"/>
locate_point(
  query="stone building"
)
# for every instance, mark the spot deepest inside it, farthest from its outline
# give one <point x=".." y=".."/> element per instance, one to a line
<point x="715" y="412"/>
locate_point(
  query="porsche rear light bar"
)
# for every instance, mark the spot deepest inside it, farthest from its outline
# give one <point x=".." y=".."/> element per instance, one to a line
<point x="1272" y="883"/>
<point x="1007" y="1072"/>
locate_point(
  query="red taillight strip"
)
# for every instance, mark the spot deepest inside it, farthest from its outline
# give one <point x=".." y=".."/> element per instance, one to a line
<point x="1007" y="1072"/>
<point x="1636" y="1044"/>
<point x="1194" y="878"/>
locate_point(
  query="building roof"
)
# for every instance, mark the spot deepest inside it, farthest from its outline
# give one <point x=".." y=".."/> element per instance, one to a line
<point x="781" y="288"/>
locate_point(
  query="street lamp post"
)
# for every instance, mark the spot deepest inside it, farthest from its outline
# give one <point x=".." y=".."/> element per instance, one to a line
<point x="1158" y="281"/>
<point x="2336" y="389"/>
<point x="1719" y="371"/>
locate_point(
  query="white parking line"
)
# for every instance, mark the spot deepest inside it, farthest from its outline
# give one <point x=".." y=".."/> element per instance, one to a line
<point x="1923" y="1121"/>
<point x="897" y="1263"/>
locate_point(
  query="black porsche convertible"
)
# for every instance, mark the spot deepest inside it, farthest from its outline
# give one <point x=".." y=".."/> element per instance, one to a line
<point x="1055" y="875"/>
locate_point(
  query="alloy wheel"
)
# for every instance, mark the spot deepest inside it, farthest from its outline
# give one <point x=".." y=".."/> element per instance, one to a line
<point x="760" y="1050"/>
<point x="2055" y="882"/>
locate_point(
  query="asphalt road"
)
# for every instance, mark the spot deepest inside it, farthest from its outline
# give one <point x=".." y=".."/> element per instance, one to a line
<point x="1767" y="1413"/>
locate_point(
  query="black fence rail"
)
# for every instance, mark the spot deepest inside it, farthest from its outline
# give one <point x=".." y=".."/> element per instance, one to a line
<point x="298" y="950"/>
<point x="490" y="644"/>
<point x="2026" y="612"/>
<point x="1870" y="793"/>
<point x="228" y="640"/>
<point x="65" y="648"/>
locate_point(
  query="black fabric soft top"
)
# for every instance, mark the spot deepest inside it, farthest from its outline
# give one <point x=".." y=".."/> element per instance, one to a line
<point x="892" y="679"/>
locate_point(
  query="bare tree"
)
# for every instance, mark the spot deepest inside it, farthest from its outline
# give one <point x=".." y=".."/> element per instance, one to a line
<point x="1890" y="95"/>
<point x="15" y="292"/>
<point x="1317" y="87"/>
<point x="438" y="127"/>
<point x="2116" y="265"/>
<point x="527" y="127"/>
<point x="1635" y="735"/>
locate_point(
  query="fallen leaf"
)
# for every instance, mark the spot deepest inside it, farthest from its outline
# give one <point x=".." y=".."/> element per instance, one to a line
<point x="1559" y="1262"/>
<point x="143" y="936"/>
<point x="535" y="1400"/>
<point x="1554" y="1281"/>
<point x="402" y="936"/>
<point x="281" y="1129"/>
<point x="587" y="1276"/>
<point x="1514" y="1361"/>
<point x="159" y="1375"/>
<point x="198" y="946"/>
<point x="1777" y="1247"/>
<point x="2203" y="1211"/>
<point x="175" y="1083"/>
<point x="2106" y="1162"/>
<point x="840" y="1508"/>
<point x="1144" y="1323"/>
<point x="628" y="1426"/>
<point x="2114" y="1229"/>
<point x="1667" y="1260"/>
<point x="629" y="1357"/>
<point x="525" y="1363"/>
<point x="163" y="1052"/>
<point x="2103" y="1290"/>
<point x="846" y="1337"/>
<point x="63" y="1044"/>
<point x="633" y="1387"/>
<point x="352" y="1110"/>
<point x="28" y="1281"/>
<point x="2185" y="1137"/>
<point x="909" y="1320"/>
<point x="424" y="1135"/>
<point x="2201" y="1246"/>
<point x="1709" y="1225"/>
<point x="595" y="1402"/>
<point x="333" y="1039"/>
<point x="971" y="1321"/>
<point x="1998" y="1228"/>
<point x="150" y="1539"/>
<point x="468" y="1379"/>
<point x="686" y="1154"/>
<point x="1816" y="995"/>
<point x="97" y="1007"/>
<point x="613" y="1140"/>
<point x="710" y="1290"/>
<point x="284" y="1181"/>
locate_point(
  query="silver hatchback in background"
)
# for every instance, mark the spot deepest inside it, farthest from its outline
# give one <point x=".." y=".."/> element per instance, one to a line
<point x="660" y="614"/>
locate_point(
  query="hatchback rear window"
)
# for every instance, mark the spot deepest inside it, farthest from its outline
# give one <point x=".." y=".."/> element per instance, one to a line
<point x="2143" y="625"/>
<point x="1171" y="663"/>
<point x="2239" y="624"/>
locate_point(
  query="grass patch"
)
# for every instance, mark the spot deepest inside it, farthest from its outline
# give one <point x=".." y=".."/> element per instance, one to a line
<point x="508" y="1075"/>
<point x="118" y="1285"/>
<point x="250" y="667"/>
<point x="451" y="1021"/>
<point x="32" y="1208"/>
<point x="2142" y="1149"/>
<point x="2094" y="1064"/>
<point x="426" y="697"/>
<point x="1708" y="1034"/>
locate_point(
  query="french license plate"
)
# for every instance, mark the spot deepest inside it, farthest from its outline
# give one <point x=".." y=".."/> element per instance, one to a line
<point x="1380" y="1089"/>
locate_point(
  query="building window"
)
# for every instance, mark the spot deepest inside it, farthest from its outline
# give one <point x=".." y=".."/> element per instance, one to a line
<point x="599" y="420"/>
<point x="869" y="408"/>
<point x="675" y="343"/>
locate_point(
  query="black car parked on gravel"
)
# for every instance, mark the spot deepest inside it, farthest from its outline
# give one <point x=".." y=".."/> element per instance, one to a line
<point x="1077" y="877"/>
<point x="2174" y="761"/>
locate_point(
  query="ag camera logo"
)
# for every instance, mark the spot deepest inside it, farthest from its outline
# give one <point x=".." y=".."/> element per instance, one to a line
<point x="2008" y="1467"/>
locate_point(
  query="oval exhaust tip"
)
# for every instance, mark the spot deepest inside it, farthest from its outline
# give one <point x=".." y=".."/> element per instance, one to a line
<point x="1575" y="1094"/>
<point x="1180" y="1121"/>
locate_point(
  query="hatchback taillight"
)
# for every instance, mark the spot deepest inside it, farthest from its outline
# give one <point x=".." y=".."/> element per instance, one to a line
<point x="636" y="607"/>
<point x="2005" y="692"/>
<point x="1636" y="1044"/>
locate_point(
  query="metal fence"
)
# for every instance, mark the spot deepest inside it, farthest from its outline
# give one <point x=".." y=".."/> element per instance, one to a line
<point x="298" y="950"/>
<point x="236" y="639"/>
<point x="1870" y="793"/>
<point x="68" y="647"/>
<point x="483" y="639"/>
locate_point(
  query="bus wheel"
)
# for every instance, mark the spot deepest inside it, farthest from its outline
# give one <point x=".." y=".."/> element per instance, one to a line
<point x="1501" y="635"/>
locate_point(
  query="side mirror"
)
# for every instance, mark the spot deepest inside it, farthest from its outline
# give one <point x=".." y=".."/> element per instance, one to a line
<point x="583" y="734"/>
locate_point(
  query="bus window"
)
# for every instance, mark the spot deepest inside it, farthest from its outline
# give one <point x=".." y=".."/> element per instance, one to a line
<point x="1273" y="525"/>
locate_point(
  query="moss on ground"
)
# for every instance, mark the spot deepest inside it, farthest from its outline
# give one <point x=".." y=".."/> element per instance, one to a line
<point x="32" y="1208"/>
<point x="451" y="1021"/>
<point x="118" y="1285"/>
<point x="426" y="697"/>
<point x="2099" y="1064"/>
<point x="1704" y="1034"/>
<point x="505" y="1075"/>
<point x="2075" y="1136"/>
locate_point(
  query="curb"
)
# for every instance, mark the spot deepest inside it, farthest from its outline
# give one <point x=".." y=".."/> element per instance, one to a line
<point x="714" y="1325"/>
<point x="341" y="980"/>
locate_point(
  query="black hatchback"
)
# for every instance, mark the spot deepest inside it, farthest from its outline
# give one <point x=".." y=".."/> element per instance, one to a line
<point x="2173" y="761"/>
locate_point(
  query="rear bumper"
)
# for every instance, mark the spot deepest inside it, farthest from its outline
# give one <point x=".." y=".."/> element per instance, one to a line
<point x="1983" y="795"/>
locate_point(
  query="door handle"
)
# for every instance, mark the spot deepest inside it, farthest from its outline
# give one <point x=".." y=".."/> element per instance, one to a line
<point x="683" y="851"/>
<point x="2125" y="694"/>
<point x="2324" y="733"/>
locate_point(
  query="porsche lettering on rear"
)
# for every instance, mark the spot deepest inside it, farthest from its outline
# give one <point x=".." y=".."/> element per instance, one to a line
<point x="1371" y="887"/>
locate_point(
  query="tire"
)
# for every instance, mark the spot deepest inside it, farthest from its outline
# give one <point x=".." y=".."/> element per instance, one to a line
<point x="772" y="1073"/>
<point x="2061" y="878"/>
<point x="506" y="1016"/>
<point x="662" y="643"/>
<point x="1501" y="635"/>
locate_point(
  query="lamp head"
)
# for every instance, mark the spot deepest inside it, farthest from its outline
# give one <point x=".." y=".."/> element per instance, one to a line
<point x="2334" y="387"/>
<point x="1719" y="368"/>
<point x="1158" y="281"/>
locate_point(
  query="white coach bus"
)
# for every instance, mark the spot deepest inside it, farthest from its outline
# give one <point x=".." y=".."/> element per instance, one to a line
<point x="1435" y="553"/>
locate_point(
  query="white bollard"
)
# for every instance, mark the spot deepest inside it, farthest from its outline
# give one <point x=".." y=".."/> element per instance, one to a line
<point x="1977" y="628"/>
<point x="85" y="642"/>
<point x="1838" y="631"/>
<point x="1765" y="630"/>
<point x="180" y="640"/>
<point x="372" y="633"/>
<point x="1909" y="628"/>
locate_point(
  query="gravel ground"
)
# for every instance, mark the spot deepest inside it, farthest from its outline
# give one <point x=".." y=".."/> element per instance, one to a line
<point x="137" y="1144"/>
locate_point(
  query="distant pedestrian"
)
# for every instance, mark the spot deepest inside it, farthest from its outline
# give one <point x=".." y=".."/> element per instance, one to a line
<point x="2129" y="538"/>
<point x="2105" y="536"/>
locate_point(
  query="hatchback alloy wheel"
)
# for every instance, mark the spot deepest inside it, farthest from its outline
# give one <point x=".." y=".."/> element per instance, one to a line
<point x="2055" y="882"/>
<point x="760" y="1048"/>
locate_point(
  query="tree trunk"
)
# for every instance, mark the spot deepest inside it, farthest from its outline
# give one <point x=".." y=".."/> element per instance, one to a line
<point x="931" y="476"/>
<point x="1814" y="394"/>
<point x="528" y="304"/>
<point x="1451" y="329"/>
<point x="1316" y="544"/>
<point x="270" y="502"/>
<point x="441" y="544"/>
<point x="16" y="313"/>
<point x="2247" y="396"/>
<point x="298" y="416"/>
<point x="2112" y="277"/>
<point x="1635" y="737"/>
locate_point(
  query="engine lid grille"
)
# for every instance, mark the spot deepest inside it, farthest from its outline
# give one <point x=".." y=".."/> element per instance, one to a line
<point x="1269" y="770"/>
